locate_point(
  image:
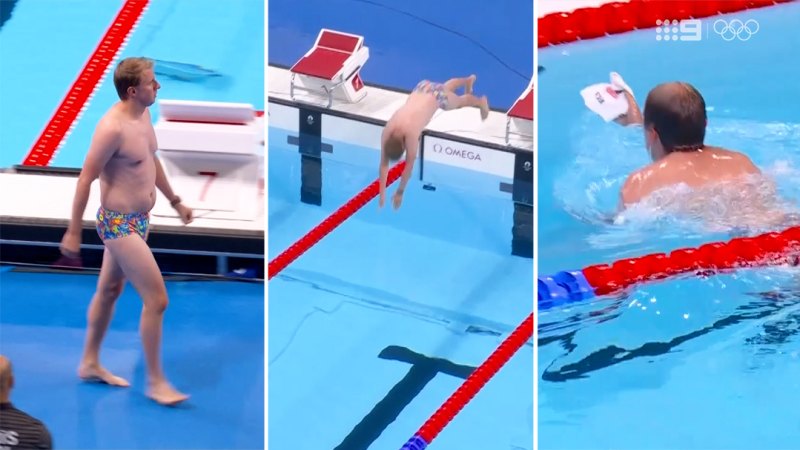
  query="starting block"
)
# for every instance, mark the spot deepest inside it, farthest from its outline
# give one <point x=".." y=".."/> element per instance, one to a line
<point x="519" y="119"/>
<point x="212" y="154"/>
<point x="332" y="67"/>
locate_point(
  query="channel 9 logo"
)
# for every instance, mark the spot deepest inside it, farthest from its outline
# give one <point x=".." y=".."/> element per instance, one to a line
<point x="679" y="30"/>
<point x="691" y="30"/>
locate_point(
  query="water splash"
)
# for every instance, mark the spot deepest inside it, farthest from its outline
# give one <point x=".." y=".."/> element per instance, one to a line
<point x="604" y="155"/>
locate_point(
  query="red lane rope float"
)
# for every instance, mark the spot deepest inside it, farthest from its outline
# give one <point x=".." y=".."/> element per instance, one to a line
<point x="620" y="17"/>
<point x="334" y="220"/>
<point x="471" y="386"/>
<point x="84" y="87"/>
<point x="768" y="249"/>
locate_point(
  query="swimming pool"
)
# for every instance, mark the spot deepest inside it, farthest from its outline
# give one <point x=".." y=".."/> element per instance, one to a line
<point x="39" y="65"/>
<point x="431" y="285"/>
<point x="416" y="40"/>
<point x="686" y="363"/>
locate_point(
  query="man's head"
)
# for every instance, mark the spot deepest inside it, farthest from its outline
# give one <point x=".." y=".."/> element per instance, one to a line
<point x="6" y="379"/>
<point x="674" y="119"/>
<point x="135" y="80"/>
<point x="393" y="148"/>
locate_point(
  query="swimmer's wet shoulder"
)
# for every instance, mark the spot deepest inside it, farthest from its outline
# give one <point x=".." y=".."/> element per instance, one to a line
<point x="693" y="169"/>
<point x="674" y="126"/>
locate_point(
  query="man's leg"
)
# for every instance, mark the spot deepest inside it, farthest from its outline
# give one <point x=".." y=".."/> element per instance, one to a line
<point x="455" y="101"/>
<point x="101" y="310"/>
<point x="455" y="83"/>
<point x="140" y="267"/>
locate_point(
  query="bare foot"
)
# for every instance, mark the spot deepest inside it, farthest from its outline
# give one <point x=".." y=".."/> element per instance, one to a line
<point x="99" y="374"/>
<point x="165" y="394"/>
<point x="484" y="108"/>
<point x="470" y="83"/>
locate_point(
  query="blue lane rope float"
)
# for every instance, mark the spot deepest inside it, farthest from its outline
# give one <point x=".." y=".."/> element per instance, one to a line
<point x="563" y="288"/>
<point x="768" y="249"/>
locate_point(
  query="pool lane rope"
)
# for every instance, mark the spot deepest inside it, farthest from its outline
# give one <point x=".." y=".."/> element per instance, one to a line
<point x="470" y="387"/>
<point x="769" y="249"/>
<point x="617" y="17"/>
<point x="331" y="222"/>
<point x="477" y="379"/>
<point x="83" y="89"/>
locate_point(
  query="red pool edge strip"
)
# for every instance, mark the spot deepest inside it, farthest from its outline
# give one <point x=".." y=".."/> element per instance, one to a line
<point x="621" y="17"/>
<point x="77" y="98"/>
<point x="769" y="249"/>
<point x="471" y="386"/>
<point x="344" y="212"/>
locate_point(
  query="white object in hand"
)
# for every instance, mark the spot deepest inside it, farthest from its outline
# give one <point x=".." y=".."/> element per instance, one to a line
<point x="619" y="83"/>
<point x="605" y="100"/>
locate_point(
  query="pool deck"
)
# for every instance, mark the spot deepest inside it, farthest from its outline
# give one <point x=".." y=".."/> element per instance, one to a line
<point x="37" y="204"/>
<point x="381" y="102"/>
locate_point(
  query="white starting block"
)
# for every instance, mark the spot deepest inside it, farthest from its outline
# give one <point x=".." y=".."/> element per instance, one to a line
<point x="519" y="119"/>
<point x="332" y="67"/>
<point x="212" y="154"/>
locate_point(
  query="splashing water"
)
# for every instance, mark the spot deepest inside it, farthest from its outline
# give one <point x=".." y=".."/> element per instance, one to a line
<point x="605" y="154"/>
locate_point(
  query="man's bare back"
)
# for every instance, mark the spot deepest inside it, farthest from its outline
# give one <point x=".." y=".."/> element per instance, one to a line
<point x="414" y="115"/>
<point x="687" y="177"/>
<point x="403" y="130"/>
<point x="693" y="169"/>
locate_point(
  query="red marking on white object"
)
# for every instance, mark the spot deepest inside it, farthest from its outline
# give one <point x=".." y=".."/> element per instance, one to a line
<point x="211" y="176"/>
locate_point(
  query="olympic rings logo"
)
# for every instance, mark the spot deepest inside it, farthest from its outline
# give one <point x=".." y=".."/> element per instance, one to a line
<point x="736" y="29"/>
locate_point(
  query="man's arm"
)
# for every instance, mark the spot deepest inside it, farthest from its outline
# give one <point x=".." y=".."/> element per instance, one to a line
<point x="163" y="184"/>
<point x="383" y="174"/>
<point x="184" y="212"/>
<point x="634" y="115"/>
<point x="105" y="142"/>
<point x="411" y="157"/>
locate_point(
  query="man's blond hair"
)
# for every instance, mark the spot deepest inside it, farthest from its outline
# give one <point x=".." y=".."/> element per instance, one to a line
<point x="129" y="73"/>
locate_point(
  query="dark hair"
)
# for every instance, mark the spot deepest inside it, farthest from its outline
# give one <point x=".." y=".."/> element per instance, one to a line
<point x="677" y="112"/>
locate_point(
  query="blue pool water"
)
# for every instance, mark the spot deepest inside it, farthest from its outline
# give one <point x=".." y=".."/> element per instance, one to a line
<point x="414" y="40"/>
<point x="196" y="32"/>
<point x="433" y="280"/>
<point x="688" y="363"/>
<point x="213" y="349"/>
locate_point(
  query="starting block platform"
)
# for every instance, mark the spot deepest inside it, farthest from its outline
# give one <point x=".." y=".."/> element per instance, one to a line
<point x="328" y="76"/>
<point x="331" y="68"/>
<point x="519" y="119"/>
<point x="500" y="129"/>
<point x="213" y="156"/>
<point x="493" y="157"/>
